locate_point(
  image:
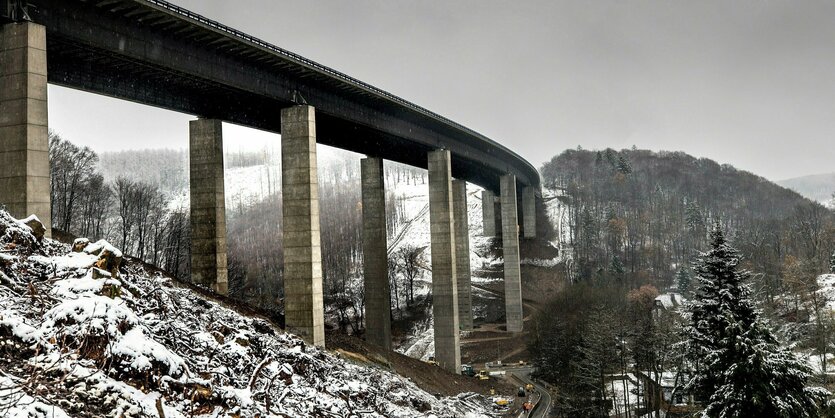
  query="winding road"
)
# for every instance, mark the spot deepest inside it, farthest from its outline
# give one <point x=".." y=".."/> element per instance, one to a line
<point x="543" y="404"/>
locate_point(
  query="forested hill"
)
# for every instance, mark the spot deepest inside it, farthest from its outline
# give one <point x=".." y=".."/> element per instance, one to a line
<point x="639" y="216"/>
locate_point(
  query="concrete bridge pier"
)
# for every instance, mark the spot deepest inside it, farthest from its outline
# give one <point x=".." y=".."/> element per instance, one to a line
<point x="529" y="211"/>
<point x="510" y="244"/>
<point x="303" y="305"/>
<point x="462" y="254"/>
<point x="375" y="256"/>
<point x="444" y="284"/>
<point x="208" y="205"/>
<point x="488" y="213"/>
<point x="24" y="136"/>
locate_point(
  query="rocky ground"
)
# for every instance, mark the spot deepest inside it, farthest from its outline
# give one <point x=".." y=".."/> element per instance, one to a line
<point x="85" y="333"/>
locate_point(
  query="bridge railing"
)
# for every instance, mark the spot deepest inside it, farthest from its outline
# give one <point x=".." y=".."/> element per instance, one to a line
<point x="310" y="63"/>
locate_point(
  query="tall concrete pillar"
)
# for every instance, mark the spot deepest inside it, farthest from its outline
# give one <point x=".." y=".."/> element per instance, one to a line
<point x="462" y="254"/>
<point x="24" y="136"/>
<point x="444" y="292"/>
<point x="488" y="213"/>
<point x="208" y="205"/>
<point x="374" y="254"/>
<point x="510" y="241"/>
<point x="529" y="211"/>
<point x="303" y="306"/>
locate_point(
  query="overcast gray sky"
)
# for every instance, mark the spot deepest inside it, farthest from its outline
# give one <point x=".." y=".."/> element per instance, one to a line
<point x="751" y="83"/>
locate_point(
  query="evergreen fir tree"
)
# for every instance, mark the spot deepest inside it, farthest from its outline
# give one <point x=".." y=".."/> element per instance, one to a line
<point x="683" y="280"/>
<point x="616" y="269"/>
<point x="623" y="165"/>
<point x="695" y="220"/>
<point x="740" y="369"/>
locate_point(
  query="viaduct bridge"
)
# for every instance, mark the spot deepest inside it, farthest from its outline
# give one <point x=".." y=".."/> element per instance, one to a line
<point x="155" y="53"/>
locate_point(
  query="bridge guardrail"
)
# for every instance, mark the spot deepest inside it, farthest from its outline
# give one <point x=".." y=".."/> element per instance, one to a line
<point x="327" y="70"/>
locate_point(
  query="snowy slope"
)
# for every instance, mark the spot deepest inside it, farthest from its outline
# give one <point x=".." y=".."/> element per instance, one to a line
<point x="76" y="340"/>
<point x="414" y="232"/>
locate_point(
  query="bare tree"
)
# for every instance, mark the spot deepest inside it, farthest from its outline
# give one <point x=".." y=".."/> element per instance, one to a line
<point x="123" y="189"/>
<point x="70" y="168"/>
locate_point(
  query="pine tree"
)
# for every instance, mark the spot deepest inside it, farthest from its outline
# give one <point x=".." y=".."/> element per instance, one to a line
<point x="616" y="269"/>
<point x="740" y="369"/>
<point x="623" y="165"/>
<point x="683" y="280"/>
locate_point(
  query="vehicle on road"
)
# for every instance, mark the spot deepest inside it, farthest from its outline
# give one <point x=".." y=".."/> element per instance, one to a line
<point x="467" y="370"/>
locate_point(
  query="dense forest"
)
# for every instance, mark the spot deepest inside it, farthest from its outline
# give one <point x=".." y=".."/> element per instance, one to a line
<point x="640" y="225"/>
<point x="640" y="216"/>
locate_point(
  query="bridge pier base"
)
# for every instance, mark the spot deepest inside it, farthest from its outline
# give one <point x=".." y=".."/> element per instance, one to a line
<point x="529" y="211"/>
<point x="208" y="205"/>
<point x="510" y="245"/>
<point x="444" y="293"/>
<point x="24" y="136"/>
<point x="488" y="213"/>
<point x="303" y="305"/>
<point x="374" y="254"/>
<point x="462" y="254"/>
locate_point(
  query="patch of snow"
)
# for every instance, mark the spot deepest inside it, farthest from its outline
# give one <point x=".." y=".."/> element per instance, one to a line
<point x="102" y="245"/>
<point x="15" y="403"/>
<point x="68" y="262"/>
<point x="541" y="262"/>
<point x="670" y="300"/>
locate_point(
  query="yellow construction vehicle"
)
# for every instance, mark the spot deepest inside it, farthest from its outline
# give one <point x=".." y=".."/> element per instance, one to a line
<point x="482" y="375"/>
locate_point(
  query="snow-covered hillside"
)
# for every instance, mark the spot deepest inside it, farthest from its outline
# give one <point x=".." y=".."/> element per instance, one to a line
<point x="414" y="232"/>
<point x="84" y="334"/>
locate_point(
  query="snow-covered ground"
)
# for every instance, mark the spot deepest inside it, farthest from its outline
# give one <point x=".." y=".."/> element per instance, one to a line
<point x="826" y="286"/>
<point x="81" y="336"/>
<point x="826" y="294"/>
<point x="414" y="230"/>
<point x="623" y="391"/>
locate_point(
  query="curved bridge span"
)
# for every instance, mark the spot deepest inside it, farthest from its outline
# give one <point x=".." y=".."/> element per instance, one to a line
<point x="156" y="53"/>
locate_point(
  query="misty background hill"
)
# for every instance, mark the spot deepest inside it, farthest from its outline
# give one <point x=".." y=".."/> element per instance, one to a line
<point x="819" y="187"/>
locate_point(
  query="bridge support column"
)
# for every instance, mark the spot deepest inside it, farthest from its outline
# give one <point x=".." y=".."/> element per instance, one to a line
<point x="303" y="306"/>
<point x="374" y="254"/>
<point x="529" y="211"/>
<point x="462" y="254"/>
<point x="510" y="245"/>
<point x="444" y="293"/>
<point x="488" y="213"/>
<point x="208" y="205"/>
<point x="24" y="137"/>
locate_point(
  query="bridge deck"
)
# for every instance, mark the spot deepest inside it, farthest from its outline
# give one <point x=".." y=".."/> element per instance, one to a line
<point x="155" y="53"/>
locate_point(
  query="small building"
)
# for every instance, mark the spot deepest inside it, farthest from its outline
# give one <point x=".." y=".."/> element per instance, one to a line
<point x="668" y="302"/>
